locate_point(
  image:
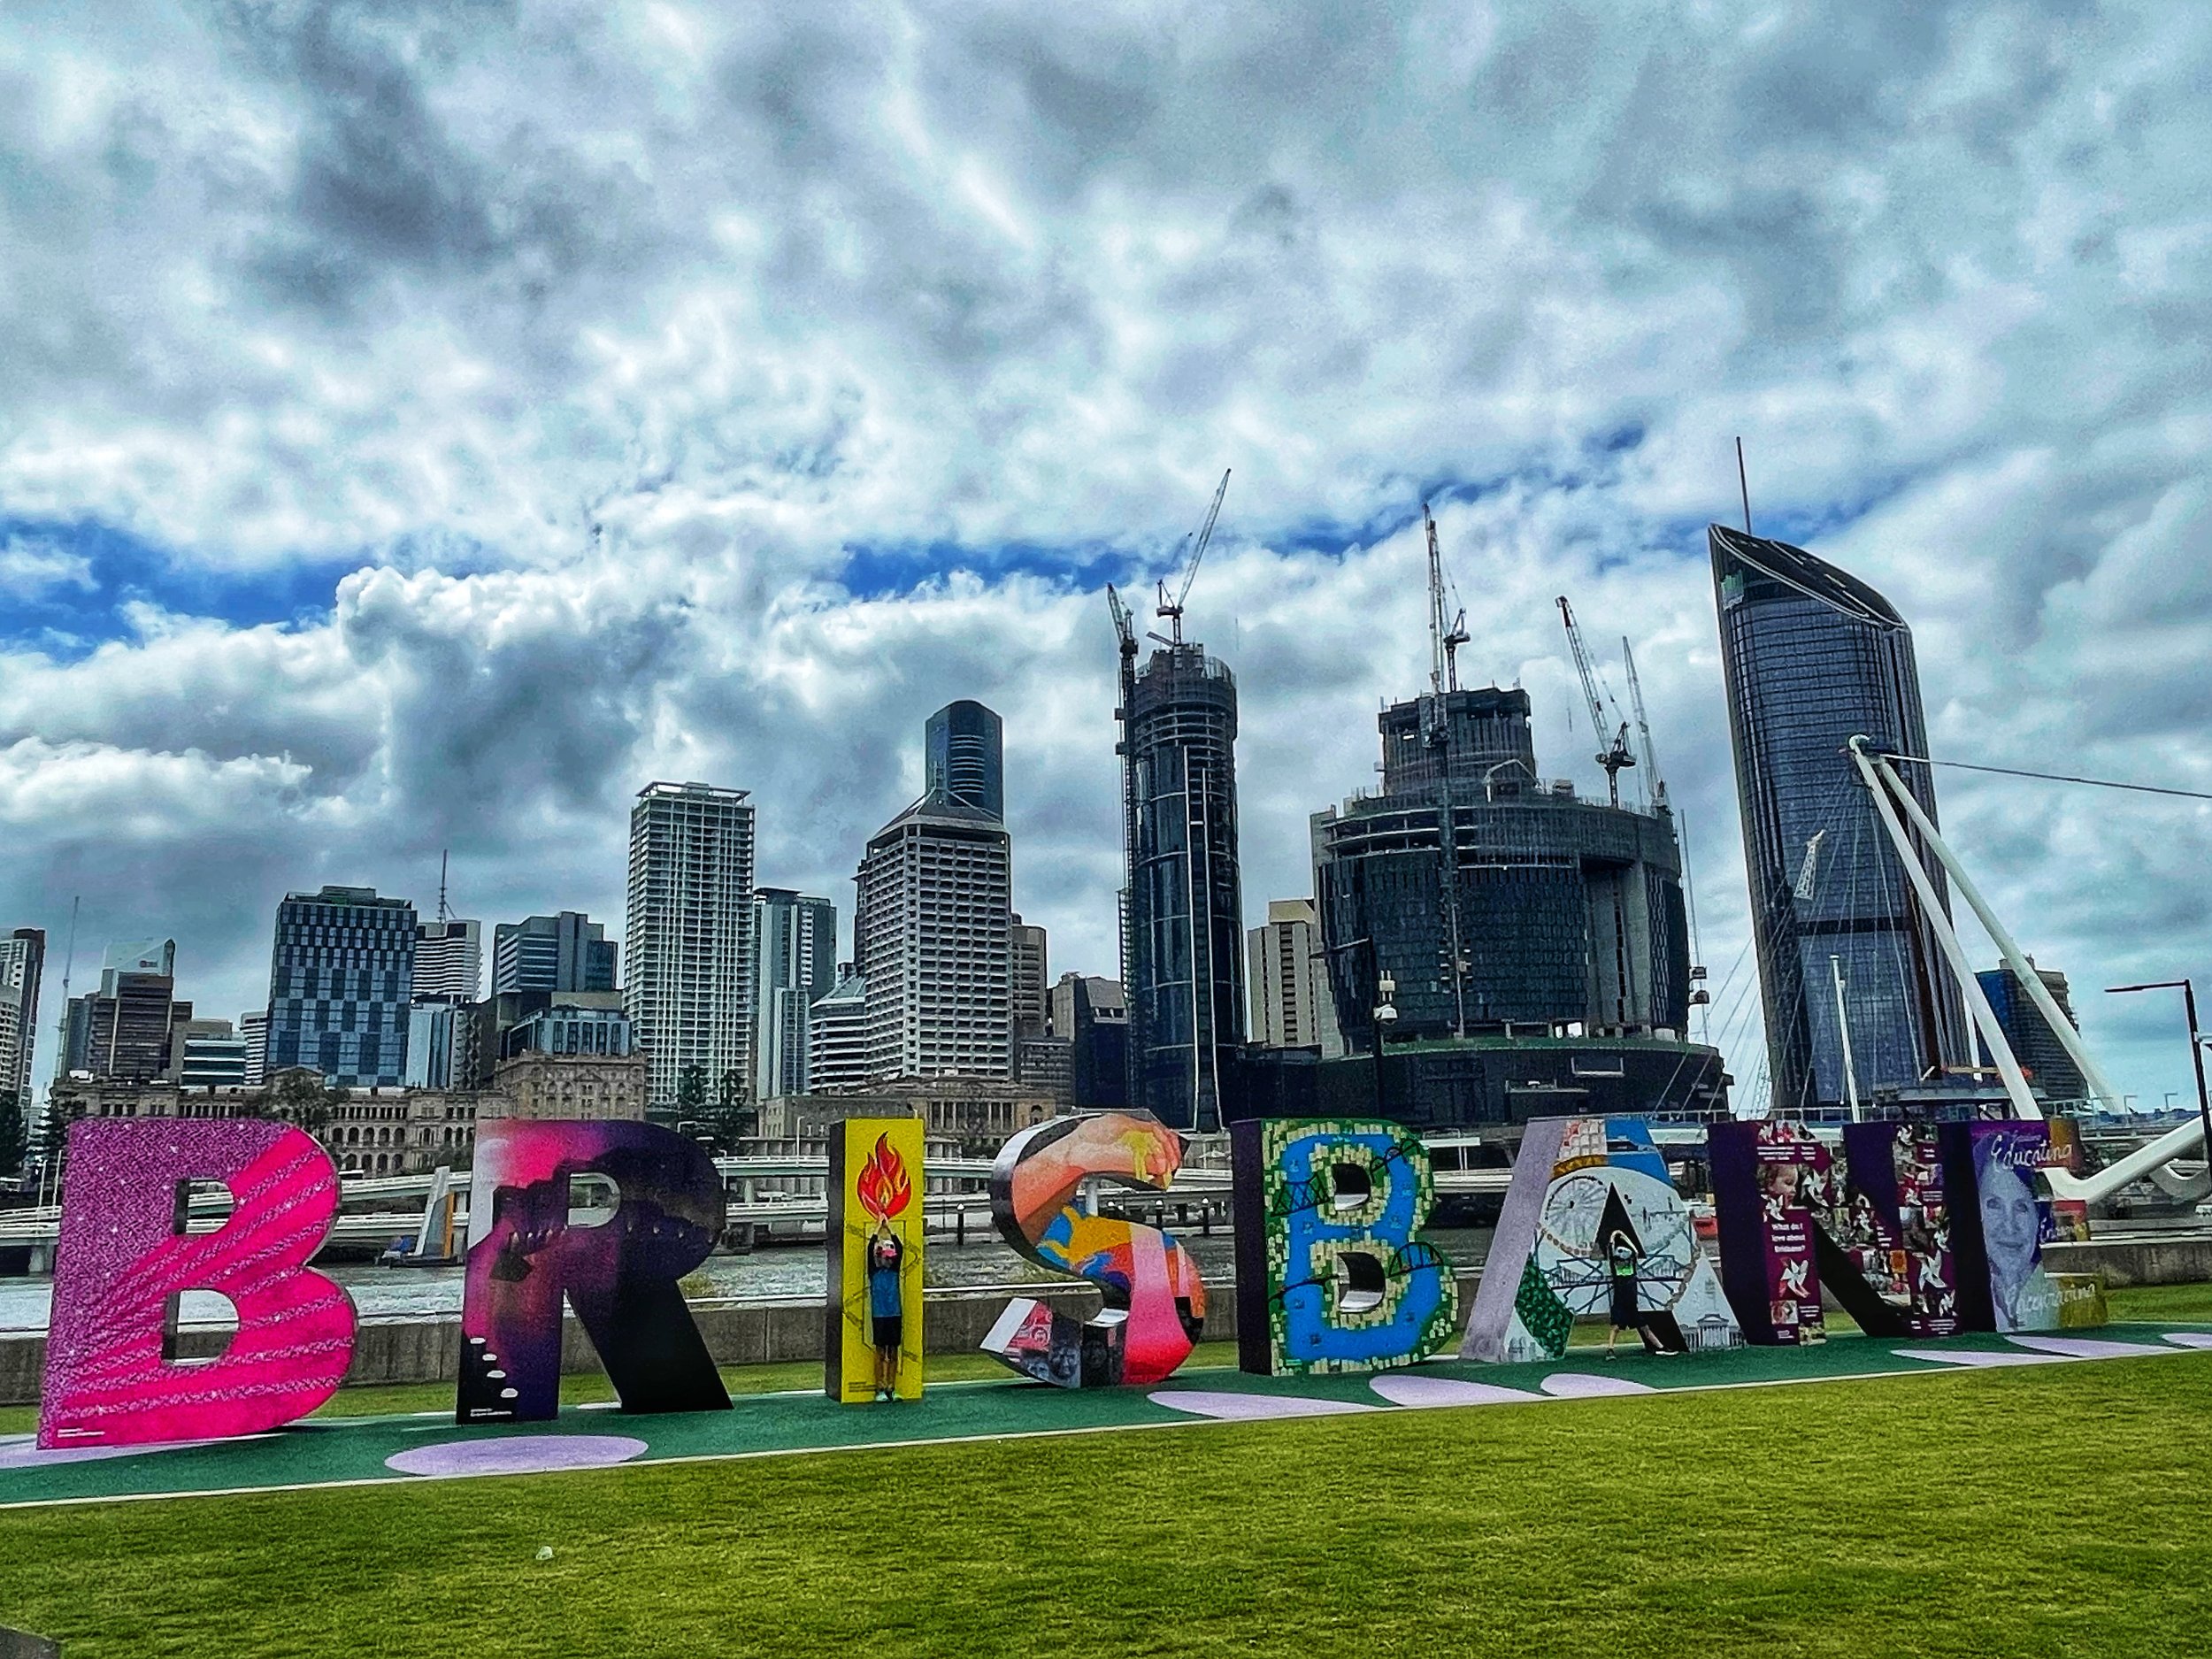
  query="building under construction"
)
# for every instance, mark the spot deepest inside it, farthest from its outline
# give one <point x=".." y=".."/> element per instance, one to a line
<point x="1530" y="946"/>
<point x="1183" y="907"/>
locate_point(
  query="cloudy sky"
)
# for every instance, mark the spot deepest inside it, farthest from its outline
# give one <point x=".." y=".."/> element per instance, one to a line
<point x="421" y="425"/>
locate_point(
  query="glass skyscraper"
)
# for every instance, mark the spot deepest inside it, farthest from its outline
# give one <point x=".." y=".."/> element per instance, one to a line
<point x="341" y="978"/>
<point x="964" y="757"/>
<point x="1183" y="913"/>
<point x="1812" y="657"/>
<point x="2052" y="1073"/>
<point x="795" y="935"/>
<point x="567" y="952"/>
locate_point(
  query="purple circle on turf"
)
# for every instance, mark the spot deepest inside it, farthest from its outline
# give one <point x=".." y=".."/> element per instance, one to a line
<point x="1574" y="1385"/>
<point x="1402" y="1390"/>
<point x="1255" y="1408"/>
<point x="516" y="1454"/>
<point x="22" y="1451"/>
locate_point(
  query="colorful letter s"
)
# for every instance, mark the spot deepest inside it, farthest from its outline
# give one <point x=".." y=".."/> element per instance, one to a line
<point x="1155" y="1301"/>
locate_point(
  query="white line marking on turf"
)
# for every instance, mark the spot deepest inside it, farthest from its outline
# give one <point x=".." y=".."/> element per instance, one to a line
<point x="1574" y="1385"/>
<point x="1980" y="1359"/>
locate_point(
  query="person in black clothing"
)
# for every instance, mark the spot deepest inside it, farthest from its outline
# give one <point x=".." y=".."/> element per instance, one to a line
<point x="1620" y="1267"/>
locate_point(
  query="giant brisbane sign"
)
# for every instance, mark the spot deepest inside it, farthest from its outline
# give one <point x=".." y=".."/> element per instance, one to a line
<point x="1916" y="1232"/>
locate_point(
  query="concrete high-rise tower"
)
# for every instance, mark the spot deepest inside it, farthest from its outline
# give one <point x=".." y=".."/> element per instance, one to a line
<point x="1183" y="909"/>
<point x="690" y="935"/>
<point x="964" y="757"/>
<point x="837" y="1035"/>
<point x="795" y="967"/>
<point x="1033" y="984"/>
<point x="1289" y="978"/>
<point x="932" y="936"/>
<point x="22" y="962"/>
<point x="449" y="958"/>
<point x="1812" y="657"/>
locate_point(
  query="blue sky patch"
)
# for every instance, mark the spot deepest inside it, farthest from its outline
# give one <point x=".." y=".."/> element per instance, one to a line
<point x="64" y="586"/>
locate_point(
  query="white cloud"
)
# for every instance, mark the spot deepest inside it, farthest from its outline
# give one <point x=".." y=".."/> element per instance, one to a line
<point x="30" y="564"/>
<point x="445" y="287"/>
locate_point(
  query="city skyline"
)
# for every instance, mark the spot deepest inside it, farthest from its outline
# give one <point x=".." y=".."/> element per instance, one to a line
<point x="1744" y="1047"/>
<point x="704" y="497"/>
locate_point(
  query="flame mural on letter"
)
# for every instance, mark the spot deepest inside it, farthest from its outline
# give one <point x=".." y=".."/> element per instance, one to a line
<point x="882" y="1186"/>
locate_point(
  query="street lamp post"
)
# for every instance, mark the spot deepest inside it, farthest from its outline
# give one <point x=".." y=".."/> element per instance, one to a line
<point x="2196" y="1046"/>
<point x="1385" y="1012"/>
<point x="1386" y="1017"/>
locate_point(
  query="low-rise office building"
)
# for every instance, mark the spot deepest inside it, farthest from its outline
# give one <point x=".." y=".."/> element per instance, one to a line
<point x="598" y="1087"/>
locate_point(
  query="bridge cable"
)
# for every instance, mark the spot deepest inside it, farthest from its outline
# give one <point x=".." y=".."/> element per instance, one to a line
<point x="2057" y="776"/>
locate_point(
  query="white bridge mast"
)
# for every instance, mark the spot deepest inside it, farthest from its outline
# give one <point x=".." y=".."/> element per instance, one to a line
<point x="1890" y="793"/>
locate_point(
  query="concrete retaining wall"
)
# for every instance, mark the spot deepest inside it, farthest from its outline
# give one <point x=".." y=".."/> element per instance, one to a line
<point x="2181" y="1260"/>
<point x="737" y="1333"/>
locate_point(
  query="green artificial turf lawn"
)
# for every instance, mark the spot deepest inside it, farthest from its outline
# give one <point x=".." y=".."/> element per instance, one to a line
<point x="2186" y="1302"/>
<point x="2046" y="1510"/>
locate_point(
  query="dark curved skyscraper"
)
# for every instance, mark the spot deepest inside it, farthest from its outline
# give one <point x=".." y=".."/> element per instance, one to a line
<point x="1559" y="911"/>
<point x="1182" y="917"/>
<point x="964" y="757"/>
<point x="1812" y="657"/>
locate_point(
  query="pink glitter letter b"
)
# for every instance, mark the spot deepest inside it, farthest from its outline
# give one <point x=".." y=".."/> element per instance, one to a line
<point x="123" y="1254"/>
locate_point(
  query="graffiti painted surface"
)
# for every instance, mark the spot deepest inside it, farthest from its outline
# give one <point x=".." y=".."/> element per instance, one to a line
<point x="1584" y="1191"/>
<point x="2004" y="1285"/>
<point x="1769" y="1178"/>
<point x="125" y="1256"/>
<point x="608" y="1216"/>
<point x="875" y="1268"/>
<point x="1154" y="1300"/>
<point x="1332" y="1274"/>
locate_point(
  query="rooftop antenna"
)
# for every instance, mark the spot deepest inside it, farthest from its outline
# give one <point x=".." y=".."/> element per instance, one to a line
<point x="443" y="912"/>
<point x="1743" y="483"/>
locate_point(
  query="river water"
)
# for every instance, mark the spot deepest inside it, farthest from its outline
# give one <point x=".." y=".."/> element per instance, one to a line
<point x="388" y="1293"/>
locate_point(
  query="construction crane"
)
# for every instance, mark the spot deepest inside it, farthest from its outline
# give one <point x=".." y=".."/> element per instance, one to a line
<point x="1173" y="612"/>
<point x="1444" y="642"/>
<point x="1615" y="758"/>
<point x="1125" y="633"/>
<point x="1643" y="728"/>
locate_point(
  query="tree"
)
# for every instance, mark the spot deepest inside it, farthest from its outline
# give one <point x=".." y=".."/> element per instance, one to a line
<point x="298" y="1097"/>
<point x="733" y="1118"/>
<point x="15" y="1140"/>
<point x="53" y="1141"/>
<point x="691" y="1091"/>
